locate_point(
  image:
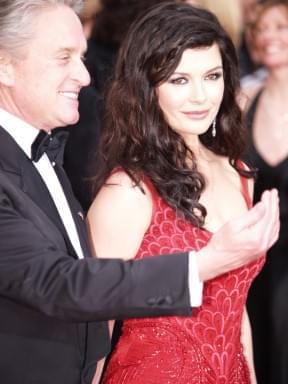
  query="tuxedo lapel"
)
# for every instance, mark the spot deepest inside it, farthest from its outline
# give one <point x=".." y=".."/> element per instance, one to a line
<point x="36" y="189"/>
<point x="21" y="171"/>
<point x="75" y="207"/>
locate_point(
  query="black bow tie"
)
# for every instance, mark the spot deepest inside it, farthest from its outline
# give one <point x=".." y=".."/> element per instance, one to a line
<point x="53" y="144"/>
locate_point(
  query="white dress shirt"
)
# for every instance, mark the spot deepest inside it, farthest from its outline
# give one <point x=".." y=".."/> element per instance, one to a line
<point x="24" y="134"/>
<point x="195" y="284"/>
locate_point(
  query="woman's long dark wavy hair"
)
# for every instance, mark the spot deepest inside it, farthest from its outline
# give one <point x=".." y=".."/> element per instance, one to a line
<point x="136" y="136"/>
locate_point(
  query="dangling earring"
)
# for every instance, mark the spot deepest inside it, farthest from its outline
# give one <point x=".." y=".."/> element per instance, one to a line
<point x="214" y="128"/>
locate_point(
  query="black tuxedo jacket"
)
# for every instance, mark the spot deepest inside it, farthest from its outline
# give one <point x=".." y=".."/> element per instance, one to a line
<point x="53" y="306"/>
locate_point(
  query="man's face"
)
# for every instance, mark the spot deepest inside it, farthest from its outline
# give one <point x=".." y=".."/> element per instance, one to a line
<point x="47" y="80"/>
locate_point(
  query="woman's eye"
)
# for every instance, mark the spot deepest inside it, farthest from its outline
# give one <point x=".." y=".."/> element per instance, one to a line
<point x="178" y="80"/>
<point x="213" y="76"/>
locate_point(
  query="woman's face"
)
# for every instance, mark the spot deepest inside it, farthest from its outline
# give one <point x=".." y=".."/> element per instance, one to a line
<point x="271" y="37"/>
<point x="191" y="97"/>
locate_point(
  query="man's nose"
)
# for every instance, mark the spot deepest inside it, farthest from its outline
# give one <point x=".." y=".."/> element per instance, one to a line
<point x="85" y="76"/>
<point x="81" y="74"/>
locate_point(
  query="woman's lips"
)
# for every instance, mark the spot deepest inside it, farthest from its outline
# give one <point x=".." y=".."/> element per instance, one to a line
<point x="196" y="115"/>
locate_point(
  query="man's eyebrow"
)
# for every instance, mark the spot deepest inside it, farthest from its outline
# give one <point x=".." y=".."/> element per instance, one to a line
<point x="70" y="50"/>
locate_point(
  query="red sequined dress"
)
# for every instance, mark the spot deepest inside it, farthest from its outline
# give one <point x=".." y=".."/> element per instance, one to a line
<point x="204" y="348"/>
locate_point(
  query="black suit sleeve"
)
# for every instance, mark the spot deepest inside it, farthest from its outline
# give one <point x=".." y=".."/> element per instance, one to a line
<point x="36" y="270"/>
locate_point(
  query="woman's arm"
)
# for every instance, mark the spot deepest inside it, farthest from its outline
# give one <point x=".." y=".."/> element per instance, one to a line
<point x="117" y="221"/>
<point x="119" y="217"/>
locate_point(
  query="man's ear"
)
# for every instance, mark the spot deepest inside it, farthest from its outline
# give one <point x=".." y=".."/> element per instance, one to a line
<point x="6" y="69"/>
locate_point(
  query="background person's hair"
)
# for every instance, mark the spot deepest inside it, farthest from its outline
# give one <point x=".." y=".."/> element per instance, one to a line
<point x="136" y="135"/>
<point x="114" y="18"/>
<point x="265" y="5"/>
<point x="17" y="20"/>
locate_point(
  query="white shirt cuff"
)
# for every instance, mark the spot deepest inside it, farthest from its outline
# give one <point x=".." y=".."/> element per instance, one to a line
<point x="194" y="283"/>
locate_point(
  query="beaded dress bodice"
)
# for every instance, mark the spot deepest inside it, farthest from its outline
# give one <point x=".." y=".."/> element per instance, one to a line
<point x="204" y="348"/>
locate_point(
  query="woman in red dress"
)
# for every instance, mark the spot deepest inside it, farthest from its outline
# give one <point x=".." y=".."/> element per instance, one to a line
<point x="171" y="177"/>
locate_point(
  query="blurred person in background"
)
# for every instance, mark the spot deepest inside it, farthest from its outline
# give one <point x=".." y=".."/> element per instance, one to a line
<point x="87" y="15"/>
<point x="247" y="52"/>
<point x="252" y="72"/>
<point x="267" y="120"/>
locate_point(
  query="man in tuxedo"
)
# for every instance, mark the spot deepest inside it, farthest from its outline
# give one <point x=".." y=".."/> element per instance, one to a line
<point x="54" y="297"/>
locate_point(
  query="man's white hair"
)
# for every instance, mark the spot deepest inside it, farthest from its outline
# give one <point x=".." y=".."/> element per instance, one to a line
<point x="16" y="20"/>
